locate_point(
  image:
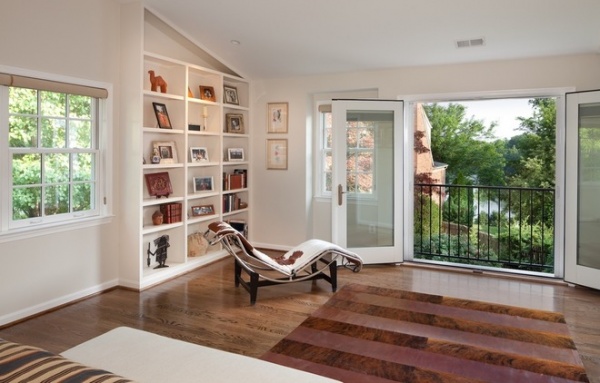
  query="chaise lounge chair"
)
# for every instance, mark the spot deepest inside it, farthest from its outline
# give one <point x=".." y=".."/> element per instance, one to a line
<point x="308" y="261"/>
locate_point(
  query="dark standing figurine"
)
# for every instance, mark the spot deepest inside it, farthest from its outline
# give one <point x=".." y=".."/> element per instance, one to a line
<point x="161" y="243"/>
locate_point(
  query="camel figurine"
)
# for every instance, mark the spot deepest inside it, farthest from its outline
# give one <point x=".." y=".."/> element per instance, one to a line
<point x="157" y="82"/>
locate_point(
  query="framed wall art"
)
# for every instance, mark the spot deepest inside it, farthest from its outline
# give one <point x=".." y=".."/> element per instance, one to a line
<point x="277" y="115"/>
<point x="199" y="154"/>
<point x="162" y="116"/>
<point x="235" y="154"/>
<point x="207" y="93"/>
<point x="166" y="150"/>
<point x="277" y="154"/>
<point x="203" y="184"/>
<point x="230" y="95"/>
<point x="235" y="123"/>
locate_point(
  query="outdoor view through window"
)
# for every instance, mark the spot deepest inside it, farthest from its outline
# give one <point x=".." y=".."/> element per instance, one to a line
<point x="484" y="183"/>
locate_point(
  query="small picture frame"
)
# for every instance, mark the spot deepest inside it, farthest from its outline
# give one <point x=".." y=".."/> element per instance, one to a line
<point x="277" y="154"/>
<point x="162" y="116"/>
<point x="198" y="154"/>
<point x="235" y="123"/>
<point x="277" y="115"/>
<point x="203" y="184"/>
<point x="198" y="211"/>
<point x="230" y="95"/>
<point x="235" y="154"/>
<point x="159" y="184"/>
<point x="166" y="151"/>
<point x="207" y="93"/>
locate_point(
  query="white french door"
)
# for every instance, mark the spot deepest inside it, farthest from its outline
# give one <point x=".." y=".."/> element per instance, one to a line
<point x="582" y="192"/>
<point x="367" y="178"/>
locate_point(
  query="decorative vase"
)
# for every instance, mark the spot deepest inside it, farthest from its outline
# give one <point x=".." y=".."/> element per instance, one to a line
<point x="157" y="218"/>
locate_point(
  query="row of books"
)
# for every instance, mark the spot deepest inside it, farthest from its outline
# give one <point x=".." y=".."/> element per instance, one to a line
<point x="236" y="180"/>
<point x="171" y="212"/>
<point x="231" y="202"/>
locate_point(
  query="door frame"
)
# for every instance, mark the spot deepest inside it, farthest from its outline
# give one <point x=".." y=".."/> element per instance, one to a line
<point x="559" y="202"/>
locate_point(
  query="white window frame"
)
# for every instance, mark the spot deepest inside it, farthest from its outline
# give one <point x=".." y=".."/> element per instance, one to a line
<point x="103" y="194"/>
<point x="320" y="183"/>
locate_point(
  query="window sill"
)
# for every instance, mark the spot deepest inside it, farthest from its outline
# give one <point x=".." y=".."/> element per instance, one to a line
<point x="29" y="232"/>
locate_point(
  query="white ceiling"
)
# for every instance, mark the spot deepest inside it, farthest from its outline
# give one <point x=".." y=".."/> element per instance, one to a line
<point x="288" y="38"/>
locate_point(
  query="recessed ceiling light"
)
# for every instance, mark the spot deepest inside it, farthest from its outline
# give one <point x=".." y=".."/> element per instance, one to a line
<point x="235" y="42"/>
<point x="470" y="43"/>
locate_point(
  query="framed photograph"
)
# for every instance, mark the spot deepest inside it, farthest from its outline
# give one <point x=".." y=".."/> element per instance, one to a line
<point x="162" y="116"/>
<point x="235" y="154"/>
<point x="198" y="154"/>
<point x="230" y="95"/>
<point x="277" y="115"/>
<point x="207" y="93"/>
<point x="166" y="151"/>
<point x="203" y="184"/>
<point x="235" y="123"/>
<point x="198" y="211"/>
<point x="277" y="154"/>
<point x="159" y="184"/>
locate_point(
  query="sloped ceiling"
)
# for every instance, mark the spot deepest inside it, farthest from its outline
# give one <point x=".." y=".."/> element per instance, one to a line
<point x="289" y="38"/>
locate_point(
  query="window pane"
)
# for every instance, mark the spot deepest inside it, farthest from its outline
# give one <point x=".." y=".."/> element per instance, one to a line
<point x="53" y="104"/>
<point x="22" y="132"/>
<point x="53" y="133"/>
<point x="365" y="161"/>
<point x="26" y="169"/>
<point x="328" y="161"/>
<point x="22" y="101"/>
<point x="328" y="181"/>
<point x="56" y="199"/>
<point x="26" y="202"/>
<point x="80" y="107"/>
<point x="366" y="138"/>
<point x="82" y="167"/>
<point x="56" y="168"/>
<point x="328" y="138"/>
<point x="80" y="134"/>
<point x="351" y="138"/>
<point x="365" y="183"/>
<point x="82" y="197"/>
<point x="351" y="182"/>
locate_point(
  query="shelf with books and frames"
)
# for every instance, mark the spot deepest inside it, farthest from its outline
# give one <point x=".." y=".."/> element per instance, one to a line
<point x="176" y="102"/>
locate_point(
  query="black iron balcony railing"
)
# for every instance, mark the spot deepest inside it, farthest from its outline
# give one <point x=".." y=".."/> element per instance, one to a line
<point x="502" y="227"/>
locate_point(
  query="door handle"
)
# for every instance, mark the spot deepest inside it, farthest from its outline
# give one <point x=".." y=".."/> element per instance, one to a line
<point x="340" y="194"/>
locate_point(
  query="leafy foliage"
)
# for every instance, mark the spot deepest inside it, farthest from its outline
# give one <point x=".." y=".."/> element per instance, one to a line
<point x="51" y="138"/>
<point x="525" y="161"/>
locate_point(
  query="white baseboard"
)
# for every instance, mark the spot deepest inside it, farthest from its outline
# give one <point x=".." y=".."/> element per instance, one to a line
<point x="54" y="303"/>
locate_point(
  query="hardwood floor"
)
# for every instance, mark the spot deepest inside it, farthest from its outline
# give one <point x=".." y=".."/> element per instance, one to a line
<point x="204" y="307"/>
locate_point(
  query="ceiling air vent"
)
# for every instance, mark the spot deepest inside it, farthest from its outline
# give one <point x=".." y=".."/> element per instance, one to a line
<point x="470" y="43"/>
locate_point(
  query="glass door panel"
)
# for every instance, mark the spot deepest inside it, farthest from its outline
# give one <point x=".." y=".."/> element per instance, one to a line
<point x="366" y="174"/>
<point x="582" y="263"/>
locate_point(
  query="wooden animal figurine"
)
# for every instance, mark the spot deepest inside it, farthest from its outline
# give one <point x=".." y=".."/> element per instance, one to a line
<point x="157" y="82"/>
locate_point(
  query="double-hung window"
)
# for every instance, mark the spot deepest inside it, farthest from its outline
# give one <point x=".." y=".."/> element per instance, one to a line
<point x="51" y="154"/>
<point x="360" y="155"/>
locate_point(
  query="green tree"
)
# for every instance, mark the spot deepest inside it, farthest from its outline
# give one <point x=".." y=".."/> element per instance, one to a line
<point x="537" y="146"/>
<point x="466" y="145"/>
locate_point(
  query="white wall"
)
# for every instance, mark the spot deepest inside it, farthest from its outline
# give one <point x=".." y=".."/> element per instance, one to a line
<point x="283" y="210"/>
<point x="78" y="39"/>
